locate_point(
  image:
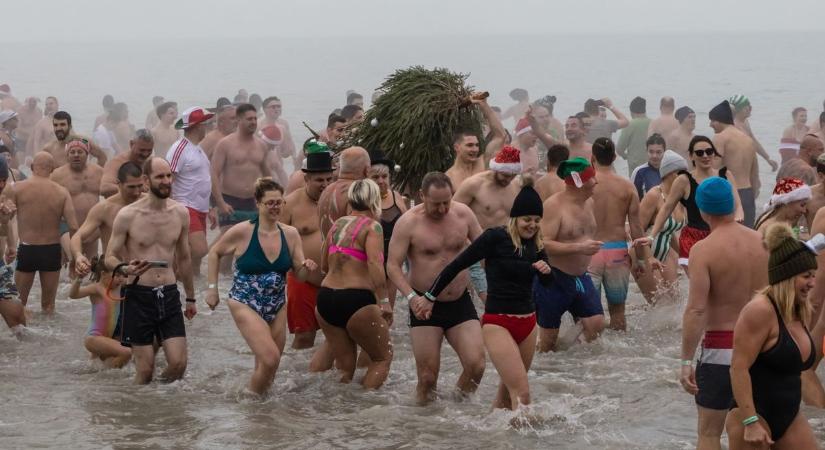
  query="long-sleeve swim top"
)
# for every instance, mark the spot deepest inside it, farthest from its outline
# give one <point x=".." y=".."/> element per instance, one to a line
<point x="509" y="275"/>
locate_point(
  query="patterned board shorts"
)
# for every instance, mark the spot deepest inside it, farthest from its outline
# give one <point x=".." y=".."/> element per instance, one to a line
<point x="7" y="287"/>
<point x="264" y="293"/>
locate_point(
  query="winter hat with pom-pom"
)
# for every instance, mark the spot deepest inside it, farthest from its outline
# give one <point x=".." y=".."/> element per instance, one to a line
<point x="788" y="256"/>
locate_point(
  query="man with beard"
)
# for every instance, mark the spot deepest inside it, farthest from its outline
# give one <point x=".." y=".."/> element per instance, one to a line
<point x="466" y="146"/>
<point x="62" y="127"/>
<point x="140" y="149"/>
<point x="82" y="180"/>
<point x="226" y="123"/>
<point x="193" y="180"/>
<point x="803" y="167"/>
<point x="101" y="217"/>
<point x="41" y="205"/>
<point x="43" y="131"/>
<point x="151" y="235"/>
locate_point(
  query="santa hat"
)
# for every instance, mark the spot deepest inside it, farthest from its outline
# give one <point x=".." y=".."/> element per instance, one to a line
<point x="576" y="171"/>
<point x="271" y="134"/>
<point x="523" y="126"/>
<point x="788" y="190"/>
<point x="507" y="160"/>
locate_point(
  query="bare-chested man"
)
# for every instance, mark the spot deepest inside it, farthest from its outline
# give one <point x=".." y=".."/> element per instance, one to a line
<point x="666" y="123"/>
<point x="575" y="133"/>
<point x="29" y="114"/>
<point x="468" y="159"/>
<point x="427" y="237"/>
<point x="152" y="118"/>
<point x="332" y="205"/>
<point x="41" y="205"/>
<point x="803" y="167"/>
<point x="164" y="132"/>
<point x="679" y="139"/>
<point x="550" y="183"/>
<point x="43" y="131"/>
<point x="238" y="160"/>
<point x="742" y="111"/>
<point x="62" y="129"/>
<point x="568" y="235"/>
<point x="615" y="203"/>
<point x="82" y="179"/>
<point x="301" y="212"/>
<point x="737" y="152"/>
<point x="271" y="136"/>
<point x="140" y="149"/>
<point x="108" y="102"/>
<point x="273" y="108"/>
<point x="227" y="123"/>
<point x="297" y="180"/>
<point x="152" y="235"/>
<point x="101" y="217"/>
<point x="726" y="268"/>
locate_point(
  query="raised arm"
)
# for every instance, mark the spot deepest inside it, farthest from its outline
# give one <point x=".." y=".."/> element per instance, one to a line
<point x="496" y="127"/>
<point x="538" y="129"/>
<point x="620" y="117"/>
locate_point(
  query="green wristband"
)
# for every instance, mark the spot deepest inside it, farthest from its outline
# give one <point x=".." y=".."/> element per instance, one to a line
<point x="750" y="420"/>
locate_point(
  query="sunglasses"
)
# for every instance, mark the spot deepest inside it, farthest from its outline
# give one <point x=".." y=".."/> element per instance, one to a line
<point x="708" y="152"/>
<point x="273" y="203"/>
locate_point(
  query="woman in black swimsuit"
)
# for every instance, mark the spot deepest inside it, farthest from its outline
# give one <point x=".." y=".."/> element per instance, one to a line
<point x="771" y="349"/>
<point x="393" y="204"/>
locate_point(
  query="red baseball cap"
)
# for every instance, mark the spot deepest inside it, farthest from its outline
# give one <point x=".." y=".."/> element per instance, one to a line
<point x="192" y="117"/>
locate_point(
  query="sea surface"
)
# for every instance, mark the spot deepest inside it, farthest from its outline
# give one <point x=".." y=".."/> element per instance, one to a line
<point x="621" y="392"/>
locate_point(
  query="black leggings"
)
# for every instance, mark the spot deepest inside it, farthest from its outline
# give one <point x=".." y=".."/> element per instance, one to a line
<point x="337" y="306"/>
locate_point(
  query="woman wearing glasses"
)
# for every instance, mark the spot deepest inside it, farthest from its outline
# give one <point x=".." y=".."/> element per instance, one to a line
<point x="264" y="251"/>
<point x="702" y="153"/>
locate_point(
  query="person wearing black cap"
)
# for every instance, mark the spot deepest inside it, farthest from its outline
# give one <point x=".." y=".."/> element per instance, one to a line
<point x="772" y="348"/>
<point x="631" y="145"/>
<point x="679" y="139"/>
<point x="513" y="256"/>
<point x="301" y="211"/>
<point x="738" y="153"/>
<point x="10" y="308"/>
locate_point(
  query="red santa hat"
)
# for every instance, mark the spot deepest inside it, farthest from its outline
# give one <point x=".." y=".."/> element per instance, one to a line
<point x="788" y="190"/>
<point x="523" y="126"/>
<point x="507" y="160"/>
<point x="271" y="134"/>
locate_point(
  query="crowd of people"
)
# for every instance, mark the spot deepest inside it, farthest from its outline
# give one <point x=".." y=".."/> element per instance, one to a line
<point x="527" y="224"/>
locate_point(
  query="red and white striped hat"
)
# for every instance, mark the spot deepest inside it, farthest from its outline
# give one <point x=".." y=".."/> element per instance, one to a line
<point x="192" y="117"/>
<point x="523" y="126"/>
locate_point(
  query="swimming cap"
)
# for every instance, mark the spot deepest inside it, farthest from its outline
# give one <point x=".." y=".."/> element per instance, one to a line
<point x="739" y="102"/>
<point x="715" y="197"/>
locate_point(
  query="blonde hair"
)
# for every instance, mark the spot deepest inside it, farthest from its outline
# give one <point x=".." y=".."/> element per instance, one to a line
<point x="512" y="230"/>
<point x="783" y="294"/>
<point x="364" y="195"/>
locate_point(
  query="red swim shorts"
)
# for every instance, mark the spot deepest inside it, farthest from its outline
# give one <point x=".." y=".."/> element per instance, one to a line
<point x="197" y="220"/>
<point x="300" y="305"/>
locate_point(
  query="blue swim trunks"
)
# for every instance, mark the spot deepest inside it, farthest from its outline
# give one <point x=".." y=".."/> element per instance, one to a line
<point x="264" y="293"/>
<point x="566" y="293"/>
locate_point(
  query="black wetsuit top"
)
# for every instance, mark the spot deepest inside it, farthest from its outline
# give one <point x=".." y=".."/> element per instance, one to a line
<point x="389" y="217"/>
<point x="776" y="382"/>
<point x="694" y="217"/>
<point x="509" y="276"/>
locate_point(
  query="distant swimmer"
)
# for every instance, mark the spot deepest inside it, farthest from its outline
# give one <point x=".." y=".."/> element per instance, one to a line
<point x="631" y="145"/>
<point x="149" y="243"/>
<point x="742" y="111"/>
<point x="550" y="183"/>
<point x="574" y="132"/>
<point x="62" y="129"/>
<point x="468" y="157"/>
<point x="804" y="166"/>
<point x="226" y="122"/>
<point x="737" y="152"/>
<point x="271" y="136"/>
<point x="265" y="250"/>
<point x="799" y="127"/>
<point x="41" y="205"/>
<point x="679" y="138"/>
<point x="601" y="127"/>
<point x="569" y="241"/>
<point x="273" y="109"/>
<point x="102" y="338"/>
<point x="140" y="149"/>
<point x="427" y="237"/>
<point x="108" y="103"/>
<point x="43" y="131"/>
<point x="666" y="123"/>
<point x="29" y="114"/>
<point x="164" y="132"/>
<point x="519" y="109"/>
<point x="152" y="118"/>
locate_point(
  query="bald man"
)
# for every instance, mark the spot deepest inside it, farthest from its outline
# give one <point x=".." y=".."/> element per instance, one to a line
<point x="41" y="205"/>
<point x="666" y="123"/>
<point x="804" y="167"/>
<point x="332" y="205"/>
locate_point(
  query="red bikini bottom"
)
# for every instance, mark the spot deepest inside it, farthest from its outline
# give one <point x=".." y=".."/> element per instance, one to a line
<point x="519" y="327"/>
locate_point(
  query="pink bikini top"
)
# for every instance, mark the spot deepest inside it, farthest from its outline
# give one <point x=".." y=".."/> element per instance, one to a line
<point x="354" y="252"/>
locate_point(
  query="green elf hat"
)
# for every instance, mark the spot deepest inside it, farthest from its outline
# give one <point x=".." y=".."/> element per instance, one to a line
<point x="314" y="146"/>
<point x="576" y="171"/>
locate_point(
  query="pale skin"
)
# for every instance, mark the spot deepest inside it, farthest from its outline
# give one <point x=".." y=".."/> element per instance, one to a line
<point x="679" y="139"/>
<point x="716" y="297"/>
<point x="155" y="228"/>
<point x="139" y="152"/>
<point x="665" y="123"/>
<point x="549" y="184"/>
<point x="789" y="213"/>
<point x="226" y="124"/>
<point x="737" y="152"/>
<point x="266" y="340"/>
<point x="41" y="204"/>
<point x="43" y="132"/>
<point x="82" y="180"/>
<point x="741" y="122"/>
<point x="468" y="160"/>
<point x="63" y="133"/>
<point x="164" y="132"/>
<point x="752" y="337"/>
<point x="104" y="348"/>
<point x="575" y="133"/>
<point x="799" y="128"/>
<point x="428" y="237"/>
<point x="490" y="196"/>
<point x="238" y="160"/>
<point x="569" y="241"/>
<point x="368" y="328"/>
<point x="272" y="116"/>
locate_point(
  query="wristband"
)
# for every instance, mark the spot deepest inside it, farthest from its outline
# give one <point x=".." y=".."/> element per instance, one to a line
<point x="429" y="297"/>
<point x="687" y="362"/>
<point x="191" y="300"/>
<point x="750" y="420"/>
<point x="212" y="286"/>
<point x="411" y="296"/>
<point x="384" y="301"/>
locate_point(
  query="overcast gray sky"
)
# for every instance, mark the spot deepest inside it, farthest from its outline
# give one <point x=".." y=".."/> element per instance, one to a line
<point x="96" y="19"/>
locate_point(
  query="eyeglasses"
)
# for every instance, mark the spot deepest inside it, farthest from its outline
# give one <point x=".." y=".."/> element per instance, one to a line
<point x="703" y="152"/>
<point x="273" y="203"/>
